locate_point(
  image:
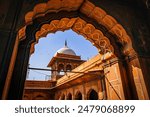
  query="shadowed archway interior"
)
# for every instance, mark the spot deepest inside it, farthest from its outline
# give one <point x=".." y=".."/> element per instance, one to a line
<point x="78" y="96"/>
<point x="69" y="96"/>
<point x="92" y="95"/>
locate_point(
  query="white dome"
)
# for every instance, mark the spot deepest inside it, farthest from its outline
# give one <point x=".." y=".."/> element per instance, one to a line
<point x="66" y="50"/>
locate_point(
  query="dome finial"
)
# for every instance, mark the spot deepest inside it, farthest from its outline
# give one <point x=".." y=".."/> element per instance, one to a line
<point x="66" y="43"/>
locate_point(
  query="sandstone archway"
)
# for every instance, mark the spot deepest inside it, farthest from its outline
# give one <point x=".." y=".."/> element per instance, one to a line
<point x="99" y="30"/>
<point x="77" y="24"/>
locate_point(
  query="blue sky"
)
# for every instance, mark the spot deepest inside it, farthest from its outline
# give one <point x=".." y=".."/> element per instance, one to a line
<point x="47" y="47"/>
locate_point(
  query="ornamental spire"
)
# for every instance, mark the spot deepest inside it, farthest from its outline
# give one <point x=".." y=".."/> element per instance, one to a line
<point x="66" y="43"/>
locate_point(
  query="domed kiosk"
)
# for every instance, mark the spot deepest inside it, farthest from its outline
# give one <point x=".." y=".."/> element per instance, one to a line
<point x="64" y="60"/>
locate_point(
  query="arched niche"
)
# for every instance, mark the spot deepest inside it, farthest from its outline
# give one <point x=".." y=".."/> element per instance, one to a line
<point x="61" y="69"/>
<point x="69" y="96"/>
<point x="78" y="95"/>
<point x="68" y="67"/>
<point x="92" y="95"/>
<point x="63" y="97"/>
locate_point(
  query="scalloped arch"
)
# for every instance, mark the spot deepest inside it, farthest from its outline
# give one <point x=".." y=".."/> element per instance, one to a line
<point x="79" y="26"/>
<point x="85" y="7"/>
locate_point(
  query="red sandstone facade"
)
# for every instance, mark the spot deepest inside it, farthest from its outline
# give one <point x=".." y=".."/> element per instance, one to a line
<point x="90" y="80"/>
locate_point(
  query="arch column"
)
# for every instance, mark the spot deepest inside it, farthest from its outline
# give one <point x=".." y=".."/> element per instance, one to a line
<point x="73" y="94"/>
<point x="116" y="79"/>
<point x="84" y="95"/>
<point x="139" y="68"/>
<point x="100" y="90"/>
<point x="19" y="73"/>
<point x="145" y="70"/>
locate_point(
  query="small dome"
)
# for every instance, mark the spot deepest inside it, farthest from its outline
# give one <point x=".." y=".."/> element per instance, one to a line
<point x="66" y="50"/>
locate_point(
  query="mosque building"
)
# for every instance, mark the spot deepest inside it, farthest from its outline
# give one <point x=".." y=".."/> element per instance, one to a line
<point x="69" y="80"/>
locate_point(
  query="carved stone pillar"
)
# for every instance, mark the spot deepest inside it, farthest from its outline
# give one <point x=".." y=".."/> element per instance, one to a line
<point x="100" y="90"/>
<point x="139" y="68"/>
<point x="115" y="79"/>
<point x="84" y="92"/>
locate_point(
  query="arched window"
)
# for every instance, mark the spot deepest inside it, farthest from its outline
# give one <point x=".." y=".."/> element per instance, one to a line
<point x="78" y="96"/>
<point x="92" y="95"/>
<point x="69" y="97"/>
<point x="61" y="69"/>
<point x="68" y="68"/>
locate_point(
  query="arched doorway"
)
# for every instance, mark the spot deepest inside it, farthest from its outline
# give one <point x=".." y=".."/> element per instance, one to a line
<point x="63" y="97"/>
<point x="78" y="96"/>
<point x="69" y="96"/>
<point x="84" y="18"/>
<point x="92" y="95"/>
